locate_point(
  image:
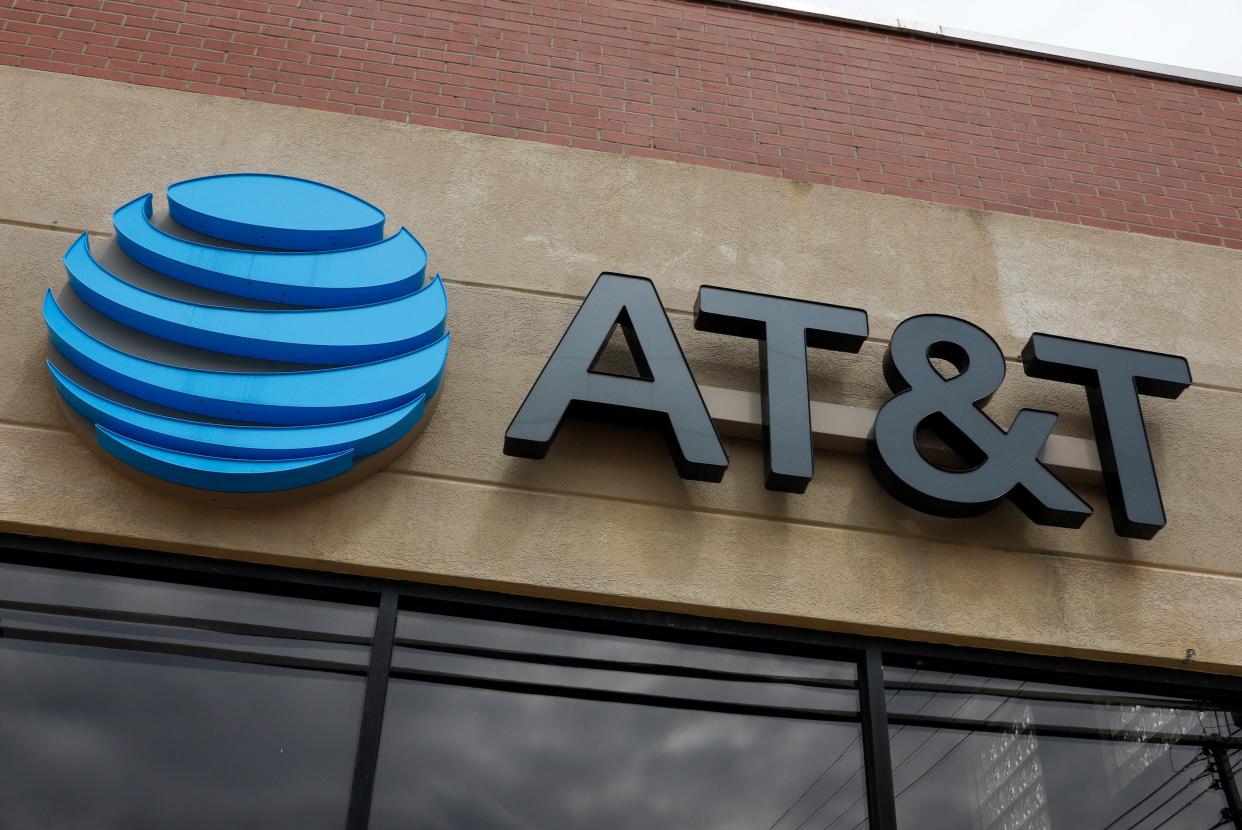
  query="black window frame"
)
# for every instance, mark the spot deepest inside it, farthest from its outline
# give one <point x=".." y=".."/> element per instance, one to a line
<point x="870" y="654"/>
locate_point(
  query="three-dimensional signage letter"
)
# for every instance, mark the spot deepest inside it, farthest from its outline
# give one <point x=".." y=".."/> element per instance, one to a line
<point x="1114" y="378"/>
<point x="665" y="394"/>
<point x="1005" y="463"/>
<point x="785" y="329"/>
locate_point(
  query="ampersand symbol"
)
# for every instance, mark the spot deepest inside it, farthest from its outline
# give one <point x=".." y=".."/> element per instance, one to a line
<point x="1003" y="464"/>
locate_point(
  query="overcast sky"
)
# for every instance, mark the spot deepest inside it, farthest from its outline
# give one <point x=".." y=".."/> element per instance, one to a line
<point x="1199" y="34"/>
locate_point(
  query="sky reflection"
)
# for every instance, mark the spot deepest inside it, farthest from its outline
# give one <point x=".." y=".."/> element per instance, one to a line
<point x="455" y="758"/>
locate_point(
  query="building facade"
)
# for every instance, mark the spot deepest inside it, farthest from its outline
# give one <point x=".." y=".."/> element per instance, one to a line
<point x="467" y="638"/>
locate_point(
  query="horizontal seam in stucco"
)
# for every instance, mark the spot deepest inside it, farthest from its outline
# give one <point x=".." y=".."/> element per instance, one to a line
<point x="41" y="226"/>
<point x="553" y="295"/>
<point x="36" y="427"/>
<point x="1055" y="554"/>
<point x="748" y="515"/>
<point x="496" y="485"/>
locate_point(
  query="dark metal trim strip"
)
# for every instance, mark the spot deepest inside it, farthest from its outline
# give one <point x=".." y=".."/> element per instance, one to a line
<point x="601" y="664"/>
<point x="10" y="631"/>
<point x="636" y="698"/>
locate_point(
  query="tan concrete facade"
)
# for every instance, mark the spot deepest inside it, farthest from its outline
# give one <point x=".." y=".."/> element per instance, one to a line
<point x="520" y="231"/>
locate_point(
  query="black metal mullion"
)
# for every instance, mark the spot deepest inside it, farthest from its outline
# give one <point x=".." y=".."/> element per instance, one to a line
<point x="367" y="759"/>
<point x="877" y="757"/>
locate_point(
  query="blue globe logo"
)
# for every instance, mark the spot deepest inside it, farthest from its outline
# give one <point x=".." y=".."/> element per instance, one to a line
<point x="296" y="348"/>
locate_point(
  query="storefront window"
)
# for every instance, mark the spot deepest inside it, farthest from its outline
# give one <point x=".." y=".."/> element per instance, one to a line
<point x="503" y="725"/>
<point x="996" y="754"/>
<point x="131" y="703"/>
<point x="135" y="695"/>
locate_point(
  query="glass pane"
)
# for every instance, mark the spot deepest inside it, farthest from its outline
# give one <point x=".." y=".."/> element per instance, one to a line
<point x="107" y="739"/>
<point x="526" y="726"/>
<point x="452" y="758"/>
<point x="45" y="589"/>
<point x="998" y="754"/>
<point x="950" y="780"/>
<point x="444" y="648"/>
<point x="136" y="703"/>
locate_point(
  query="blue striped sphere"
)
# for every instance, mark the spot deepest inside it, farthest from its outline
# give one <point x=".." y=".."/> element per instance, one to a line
<point x="300" y="275"/>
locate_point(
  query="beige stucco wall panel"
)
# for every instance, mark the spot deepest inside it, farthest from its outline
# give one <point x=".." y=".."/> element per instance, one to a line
<point x="521" y="230"/>
<point x="1191" y="439"/>
<point x="30" y="263"/>
<point x="603" y="550"/>
<point x="545" y="218"/>
<point x="503" y="337"/>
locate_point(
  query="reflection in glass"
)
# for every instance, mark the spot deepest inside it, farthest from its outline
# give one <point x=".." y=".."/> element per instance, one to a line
<point x="968" y="697"/>
<point x="129" y="703"/>
<point x="497" y="725"/>
<point x="103" y="739"/>
<point x="996" y="754"/>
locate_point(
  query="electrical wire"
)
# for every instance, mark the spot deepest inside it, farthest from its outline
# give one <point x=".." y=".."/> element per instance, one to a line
<point x="1173" y="777"/>
<point x="1176" y="812"/>
<point x="919" y="748"/>
<point x="1164" y="803"/>
<point x="945" y="757"/>
<point x="1199" y="755"/>
<point x="857" y="772"/>
<point x="830" y="767"/>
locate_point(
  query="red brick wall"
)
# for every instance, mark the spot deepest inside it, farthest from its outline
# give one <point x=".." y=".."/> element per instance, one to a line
<point x="701" y="83"/>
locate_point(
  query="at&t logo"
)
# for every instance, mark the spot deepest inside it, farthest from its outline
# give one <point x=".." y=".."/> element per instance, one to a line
<point x="293" y="351"/>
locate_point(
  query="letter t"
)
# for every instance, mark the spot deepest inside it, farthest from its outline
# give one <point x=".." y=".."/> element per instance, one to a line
<point x="785" y="329"/>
